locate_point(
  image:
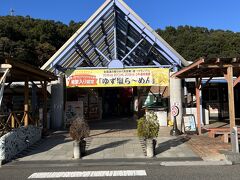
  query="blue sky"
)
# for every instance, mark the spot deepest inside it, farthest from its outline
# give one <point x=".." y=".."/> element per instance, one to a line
<point x="216" y="14"/>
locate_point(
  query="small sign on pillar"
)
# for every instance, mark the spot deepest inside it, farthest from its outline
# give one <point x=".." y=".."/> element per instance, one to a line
<point x="175" y="111"/>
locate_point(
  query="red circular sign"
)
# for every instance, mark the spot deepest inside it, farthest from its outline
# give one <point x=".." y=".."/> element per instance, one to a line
<point x="174" y="110"/>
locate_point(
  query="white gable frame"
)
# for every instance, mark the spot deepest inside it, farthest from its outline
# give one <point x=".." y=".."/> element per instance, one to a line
<point x="74" y="53"/>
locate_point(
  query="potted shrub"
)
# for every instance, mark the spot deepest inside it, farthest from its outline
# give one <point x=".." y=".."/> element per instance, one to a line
<point x="148" y="128"/>
<point x="79" y="130"/>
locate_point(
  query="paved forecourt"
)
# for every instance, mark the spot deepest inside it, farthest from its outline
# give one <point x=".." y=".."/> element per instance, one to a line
<point x="109" y="140"/>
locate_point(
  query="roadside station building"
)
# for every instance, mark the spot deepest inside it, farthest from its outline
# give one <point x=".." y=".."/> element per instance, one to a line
<point x="114" y="65"/>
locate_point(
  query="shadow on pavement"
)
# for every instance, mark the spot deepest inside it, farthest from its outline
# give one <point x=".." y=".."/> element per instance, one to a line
<point x="114" y="124"/>
<point x="164" y="146"/>
<point x="45" y="144"/>
<point x="106" y="146"/>
<point x="106" y="132"/>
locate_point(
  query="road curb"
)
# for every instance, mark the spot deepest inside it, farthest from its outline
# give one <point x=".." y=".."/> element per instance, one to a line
<point x="117" y="162"/>
<point x="196" y="163"/>
<point x="233" y="157"/>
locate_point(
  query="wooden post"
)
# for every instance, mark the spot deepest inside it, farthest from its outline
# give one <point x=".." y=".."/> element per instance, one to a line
<point x="197" y="88"/>
<point x="34" y="104"/>
<point x="26" y="105"/>
<point x="44" y="104"/>
<point x="140" y="94"/>
<point x="12" y="121"/>
<point x="231" y="96"/>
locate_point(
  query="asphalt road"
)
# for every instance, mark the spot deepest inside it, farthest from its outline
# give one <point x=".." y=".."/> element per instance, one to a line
<point x="23" y="171"/>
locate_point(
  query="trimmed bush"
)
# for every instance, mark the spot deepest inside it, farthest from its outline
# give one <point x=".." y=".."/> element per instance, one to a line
<point x="148" y="126"/>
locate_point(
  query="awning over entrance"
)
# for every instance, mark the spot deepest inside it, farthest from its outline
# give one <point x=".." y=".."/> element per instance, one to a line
<point x="210" y="68"/>
<point x="114" y="32"/>
<point x="214" y="67"/>
<point x="20" y="71"/>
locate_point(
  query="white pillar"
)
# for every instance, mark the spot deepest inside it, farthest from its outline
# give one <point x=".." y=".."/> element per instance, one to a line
<point x="57" y="103"/>
<point x="175" y="88"/>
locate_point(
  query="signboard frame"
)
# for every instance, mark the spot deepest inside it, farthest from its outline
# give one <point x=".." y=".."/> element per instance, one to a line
<point x="127" y="77"/>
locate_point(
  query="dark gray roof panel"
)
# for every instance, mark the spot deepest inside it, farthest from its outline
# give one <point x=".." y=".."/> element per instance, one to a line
<point x="114" y="28"/>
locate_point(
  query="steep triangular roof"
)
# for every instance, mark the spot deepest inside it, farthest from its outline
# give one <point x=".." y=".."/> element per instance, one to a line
<point x="114" y="31"/>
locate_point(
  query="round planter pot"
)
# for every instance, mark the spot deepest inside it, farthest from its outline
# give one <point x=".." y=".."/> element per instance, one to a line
<point x="83" y="147"/>
<point x="76" y="150"/>
<point x="150" y="147"/>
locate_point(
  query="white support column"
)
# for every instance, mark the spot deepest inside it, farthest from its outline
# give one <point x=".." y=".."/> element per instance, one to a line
<point x="57" y="103"/>
<point x="6" y="68"/>
<point x="176" y="93"/>
<point x="115" y="36"/>
<point x="132" y="49"/>
<point x="105" y="57"/>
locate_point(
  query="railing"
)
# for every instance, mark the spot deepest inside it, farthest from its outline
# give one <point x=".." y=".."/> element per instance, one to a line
<point x="14" y="120"/>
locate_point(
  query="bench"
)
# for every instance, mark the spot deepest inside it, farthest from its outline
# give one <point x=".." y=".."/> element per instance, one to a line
<point x="224" y="132"/>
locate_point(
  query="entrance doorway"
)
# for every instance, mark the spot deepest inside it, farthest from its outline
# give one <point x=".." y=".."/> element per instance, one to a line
<point x="117" y="102"/>
<point x="103" y="103"/>
<point x="109" y="111"/>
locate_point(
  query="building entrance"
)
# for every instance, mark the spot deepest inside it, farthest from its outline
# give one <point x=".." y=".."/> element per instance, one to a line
<point x="98" y="104"/>
<point x="109" y="111"/>
<point x="117" y="102"/>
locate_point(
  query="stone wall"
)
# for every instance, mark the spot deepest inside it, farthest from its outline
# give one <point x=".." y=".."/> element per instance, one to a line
<point x="17" y="140"/>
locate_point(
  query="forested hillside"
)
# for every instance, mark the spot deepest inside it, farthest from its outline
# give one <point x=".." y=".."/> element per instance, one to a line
<point x="32" y="40"/>
<point x="195" y="42"/>
<point x="35" y="41"/>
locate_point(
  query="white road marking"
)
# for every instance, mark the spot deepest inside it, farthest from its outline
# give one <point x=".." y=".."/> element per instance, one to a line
<point x="119" y="173"/>
<point x="196" y="163"/>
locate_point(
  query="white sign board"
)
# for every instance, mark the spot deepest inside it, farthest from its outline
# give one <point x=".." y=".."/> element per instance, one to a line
<point x="189" y="123"/>
<point x="73" y="109"/>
